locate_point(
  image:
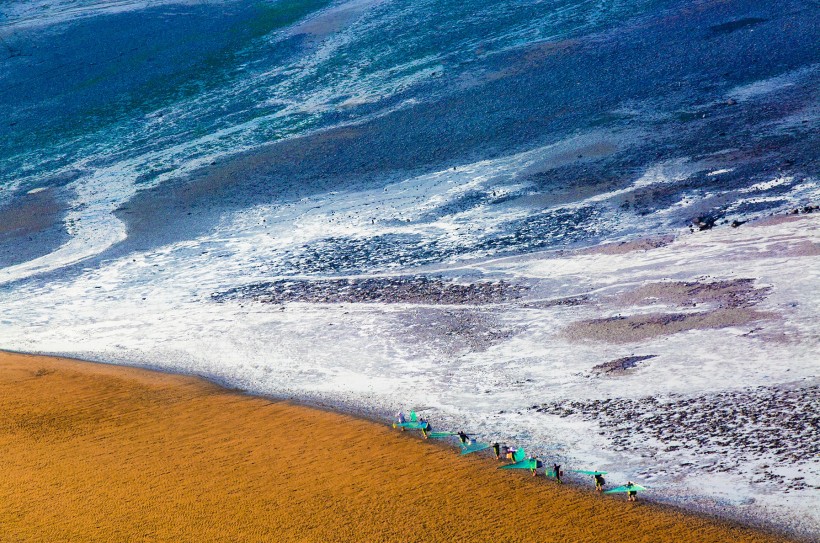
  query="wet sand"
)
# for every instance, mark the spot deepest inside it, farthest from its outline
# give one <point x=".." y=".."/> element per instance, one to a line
<point x="102" y="453"/>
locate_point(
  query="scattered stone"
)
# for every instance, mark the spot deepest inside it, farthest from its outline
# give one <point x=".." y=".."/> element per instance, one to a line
<point x="704" y="222"/>
<point x="620" y="365"/>
<point x="417" y="289"/>
<point x="635" y="328"/>
<point x="740" y="292"/>
<point x="568" y="302"/>
<point x="741" y="428"/>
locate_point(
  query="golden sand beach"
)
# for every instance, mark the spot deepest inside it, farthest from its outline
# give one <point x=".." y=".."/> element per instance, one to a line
<point x="92" y="452"/>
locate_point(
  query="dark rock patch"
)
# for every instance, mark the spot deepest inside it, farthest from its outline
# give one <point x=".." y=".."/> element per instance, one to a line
<point x="567" y="302"/>
<point x="730" y="293"/>
<point x="416" y="289"/>
<point x="769" y="426"/>
<point x="633" y="328"/>
<point x="620" y="365"/>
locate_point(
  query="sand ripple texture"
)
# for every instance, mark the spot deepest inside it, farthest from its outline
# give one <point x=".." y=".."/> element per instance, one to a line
<point x="128" y="455"/>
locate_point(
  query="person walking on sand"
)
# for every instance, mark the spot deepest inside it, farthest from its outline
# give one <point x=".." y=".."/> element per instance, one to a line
<point x="400" y="420"/>
<point x="497" y="450"/>
<point x="463" y="437"/>
<point x="425" y="428"/>
<point x="535" y="463"/>
<point x="631" y="495"/>
<point x="556" y="469"/>
<point x="599" y="482"/>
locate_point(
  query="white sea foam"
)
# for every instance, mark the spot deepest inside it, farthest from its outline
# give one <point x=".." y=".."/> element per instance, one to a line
<point x="720" y="172"/>
<point x="766" y="185"/>
<point x="756" y="89"/>
<point x="38" y="13"/>
<point x="155" y="309"/>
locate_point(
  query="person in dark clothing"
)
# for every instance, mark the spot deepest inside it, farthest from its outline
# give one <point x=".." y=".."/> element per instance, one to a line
<point x="599" y="482"/>
<point x="631" y="495"/>
<point x="425" y="428"/>
<point x="497" y="451"/>
<point x="463" y="437"/>
<point x="556" y="469"/>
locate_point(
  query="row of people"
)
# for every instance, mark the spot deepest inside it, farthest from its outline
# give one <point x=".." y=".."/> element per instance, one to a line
<point x="511" y="453"/>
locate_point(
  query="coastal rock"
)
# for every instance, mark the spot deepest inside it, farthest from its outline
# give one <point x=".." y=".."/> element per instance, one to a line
<point x="620" y="365"/>
<point x="418" y="289"/>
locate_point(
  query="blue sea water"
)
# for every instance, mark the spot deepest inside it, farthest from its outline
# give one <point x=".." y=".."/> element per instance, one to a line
<point x="220" y="106"/>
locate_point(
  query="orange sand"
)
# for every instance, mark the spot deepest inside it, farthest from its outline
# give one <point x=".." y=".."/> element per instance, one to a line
<point x="101" y="453"/>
